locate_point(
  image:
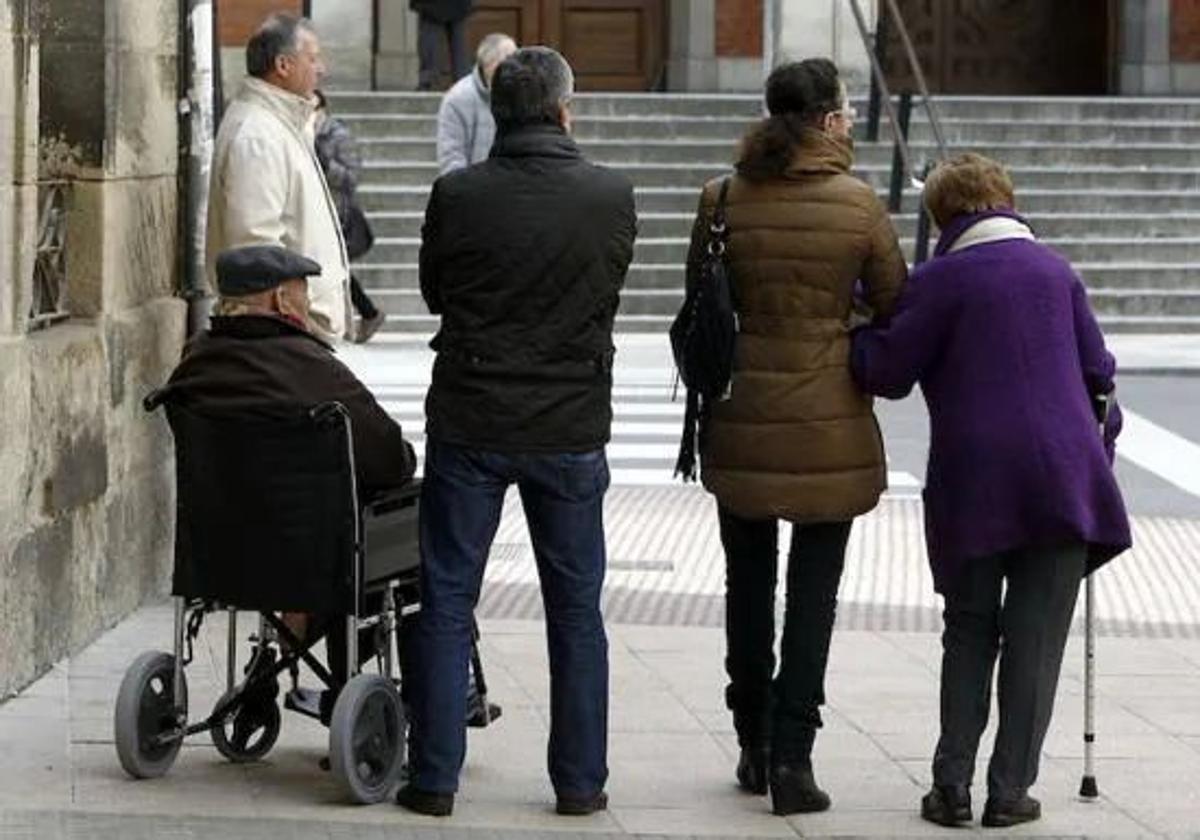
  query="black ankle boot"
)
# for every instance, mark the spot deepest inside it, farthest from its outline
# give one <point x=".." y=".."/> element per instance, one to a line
<point x="794" y="789"/>
<point x="752" y="770"/>
<point x="947" y="805"/>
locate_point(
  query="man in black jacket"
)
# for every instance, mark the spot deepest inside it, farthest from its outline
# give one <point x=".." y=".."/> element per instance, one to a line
<point x="523" y="257"/>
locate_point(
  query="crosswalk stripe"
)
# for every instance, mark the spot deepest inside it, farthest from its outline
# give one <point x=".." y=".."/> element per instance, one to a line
<point x="1171" y="457"/>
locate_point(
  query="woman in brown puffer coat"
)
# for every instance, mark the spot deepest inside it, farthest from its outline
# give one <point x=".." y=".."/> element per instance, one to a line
<point x="796" y="440"/>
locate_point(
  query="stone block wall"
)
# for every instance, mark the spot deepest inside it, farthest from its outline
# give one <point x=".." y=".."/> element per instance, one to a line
<point x="1160" y="47"/>
<point x="87" y="495"/>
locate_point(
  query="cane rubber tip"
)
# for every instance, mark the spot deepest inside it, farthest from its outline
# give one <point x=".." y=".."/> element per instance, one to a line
<point x="1088" y="789"/>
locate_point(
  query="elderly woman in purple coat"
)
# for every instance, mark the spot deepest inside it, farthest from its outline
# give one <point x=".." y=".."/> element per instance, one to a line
<point x="1020" y="497"/>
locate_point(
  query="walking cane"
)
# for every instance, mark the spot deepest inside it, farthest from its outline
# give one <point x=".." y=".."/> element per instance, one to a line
<point x="1087" y="788"/>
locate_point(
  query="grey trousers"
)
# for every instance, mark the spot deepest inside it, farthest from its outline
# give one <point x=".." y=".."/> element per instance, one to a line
<point x="1016" y="605"/>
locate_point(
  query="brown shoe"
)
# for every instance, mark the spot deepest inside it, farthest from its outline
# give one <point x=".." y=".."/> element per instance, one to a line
<point x="367" y="327"/>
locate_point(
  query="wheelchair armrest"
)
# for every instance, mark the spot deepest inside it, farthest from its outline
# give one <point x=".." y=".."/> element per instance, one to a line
<point x="392" y="499"/>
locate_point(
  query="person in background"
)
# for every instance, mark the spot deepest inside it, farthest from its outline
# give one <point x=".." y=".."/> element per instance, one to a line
<point x="523" y="257"/>
<point x="340" y="160"/>
<point x="796" y="441"/>
<point x="441" y="22"/>
<point x="266" y="186"/>
<point x="1020" y="497"/>
<point x="465" y="126"/>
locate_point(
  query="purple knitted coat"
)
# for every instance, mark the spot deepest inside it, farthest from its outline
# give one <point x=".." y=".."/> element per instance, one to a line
<point x="1007" y="352"/>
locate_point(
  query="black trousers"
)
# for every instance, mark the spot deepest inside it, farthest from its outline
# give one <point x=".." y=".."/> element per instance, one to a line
<point x="363" y="304"/>
<point x="1017" y="606"/>
<point x="431" y="34"/>
<point x="780" y="709"/>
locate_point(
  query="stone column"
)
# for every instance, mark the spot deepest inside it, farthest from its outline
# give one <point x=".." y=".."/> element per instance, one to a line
<point x="826" y="28"/>
<point x="1146" y="47"/>
<point x="396" y="61"/>
<point x="346" y="29"/>
<point x="691" y="61"/>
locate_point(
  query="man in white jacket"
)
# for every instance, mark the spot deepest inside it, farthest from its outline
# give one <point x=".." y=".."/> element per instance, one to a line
<point x="267" y="187"/>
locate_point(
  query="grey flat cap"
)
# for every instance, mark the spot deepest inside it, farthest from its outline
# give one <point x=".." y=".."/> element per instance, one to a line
<point x="257" y="268"/>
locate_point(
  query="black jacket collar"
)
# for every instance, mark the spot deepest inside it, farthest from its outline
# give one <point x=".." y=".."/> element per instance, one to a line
<point x="539" y="140"/>
<point x="259" y="326"/>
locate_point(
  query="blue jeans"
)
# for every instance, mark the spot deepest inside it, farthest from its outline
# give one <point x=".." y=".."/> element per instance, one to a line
<point x="461" y="500"/>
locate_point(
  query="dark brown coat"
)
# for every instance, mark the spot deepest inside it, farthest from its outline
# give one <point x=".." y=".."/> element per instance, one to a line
<point x="264" y="367"/>
<point x="797" y="439"/>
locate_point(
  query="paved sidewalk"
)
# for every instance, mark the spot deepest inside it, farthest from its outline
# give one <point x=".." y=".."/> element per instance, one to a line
<point x="672" y="748"/>
<point x="672" y="745"/>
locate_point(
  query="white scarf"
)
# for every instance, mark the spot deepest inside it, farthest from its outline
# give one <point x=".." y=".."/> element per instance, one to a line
<point x="991" y="229"/>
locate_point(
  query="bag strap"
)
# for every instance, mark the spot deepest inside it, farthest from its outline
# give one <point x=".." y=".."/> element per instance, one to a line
<point x="718" y="228"/>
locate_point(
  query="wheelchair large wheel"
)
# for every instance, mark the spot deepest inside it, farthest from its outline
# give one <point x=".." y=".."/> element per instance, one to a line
<point x="250" y="732"/>
<point x="146" y="709"/>
<point x="367" y="738"/>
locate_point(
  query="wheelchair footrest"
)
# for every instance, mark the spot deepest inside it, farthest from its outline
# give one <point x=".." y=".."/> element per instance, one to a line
<point x="306" y="701"/>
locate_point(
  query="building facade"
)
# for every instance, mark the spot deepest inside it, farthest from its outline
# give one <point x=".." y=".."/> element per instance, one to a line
<point x="89" y="319"/>
<point x="1013" y="47"/>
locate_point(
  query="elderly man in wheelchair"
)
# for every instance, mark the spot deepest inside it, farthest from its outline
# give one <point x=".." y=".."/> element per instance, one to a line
<point x="296" y="500"/>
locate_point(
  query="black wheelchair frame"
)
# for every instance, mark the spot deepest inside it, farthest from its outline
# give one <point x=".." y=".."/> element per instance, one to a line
<point x="374" y="544"/>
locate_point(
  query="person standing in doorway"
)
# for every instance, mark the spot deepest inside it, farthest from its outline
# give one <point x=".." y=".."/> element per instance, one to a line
<point x="523" y="257"/>
<point x="441" y="22"/>
<point x="266" y="186"/>
<point x="465" y="128"/>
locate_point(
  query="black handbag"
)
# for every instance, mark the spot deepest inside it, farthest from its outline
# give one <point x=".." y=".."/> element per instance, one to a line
<point x="356" y="230"/>
<point x="703" y="336"/>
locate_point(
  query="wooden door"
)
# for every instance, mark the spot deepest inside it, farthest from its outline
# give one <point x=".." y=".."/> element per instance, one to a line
<point x="1007" y="47"/>
<point x="611" y="44"/>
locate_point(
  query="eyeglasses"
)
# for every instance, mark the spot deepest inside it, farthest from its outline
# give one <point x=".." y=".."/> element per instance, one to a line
<point x="849" y="113"/>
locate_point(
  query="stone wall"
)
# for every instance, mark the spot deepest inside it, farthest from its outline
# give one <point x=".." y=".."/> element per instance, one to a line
<point x="86" y="500"/>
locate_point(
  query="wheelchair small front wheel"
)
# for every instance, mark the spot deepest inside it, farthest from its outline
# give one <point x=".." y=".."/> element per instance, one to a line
<point x="250" y="731"/>
<point x="146" y="710"/>
<point x="367" y="738"/>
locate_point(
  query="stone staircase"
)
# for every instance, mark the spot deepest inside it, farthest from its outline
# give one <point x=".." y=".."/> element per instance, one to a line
<point x="1113" y="184"/>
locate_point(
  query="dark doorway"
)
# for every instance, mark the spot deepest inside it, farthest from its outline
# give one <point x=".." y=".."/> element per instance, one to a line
<point x="611" y="44"/>
<point x="1012" y="47"/>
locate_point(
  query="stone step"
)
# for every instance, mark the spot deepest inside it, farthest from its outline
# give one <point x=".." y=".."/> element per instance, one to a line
<point x="368" y="127"/>
<point x="1062" y="109"/>
<point x="658" y="306"/>
<point x="1050" y="225"/>
<point x="673" y="250"/>
<point x="397" y="151"/>
<point x="878" y="176"/>
<point x="684" y="200"/>
<point x="1135" y="277"/>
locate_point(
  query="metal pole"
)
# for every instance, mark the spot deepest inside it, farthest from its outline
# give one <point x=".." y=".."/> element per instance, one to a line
<point x="873" y="105"/>
<point x="877" y="72"/>
<point x="930" y="109"/>
<point x="1087" y="787"/>
<point x="196" y="107"/>
<point x="896" y="188"/>
<point x="231" y="651"/>
<point x="177" y="681"/>
<point x="1088" y="790"/>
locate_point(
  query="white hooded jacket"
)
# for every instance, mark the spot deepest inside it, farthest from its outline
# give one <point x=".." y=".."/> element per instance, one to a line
<point x="267" y="188"/>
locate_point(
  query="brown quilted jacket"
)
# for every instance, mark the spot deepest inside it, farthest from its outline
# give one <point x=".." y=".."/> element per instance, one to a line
<point x="796" y="439"/>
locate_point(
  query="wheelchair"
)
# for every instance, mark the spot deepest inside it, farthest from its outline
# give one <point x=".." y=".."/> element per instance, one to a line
<point x="269" y="520"/>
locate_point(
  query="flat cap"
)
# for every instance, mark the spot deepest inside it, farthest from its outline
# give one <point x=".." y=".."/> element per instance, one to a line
<point x="257" y="268"/>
